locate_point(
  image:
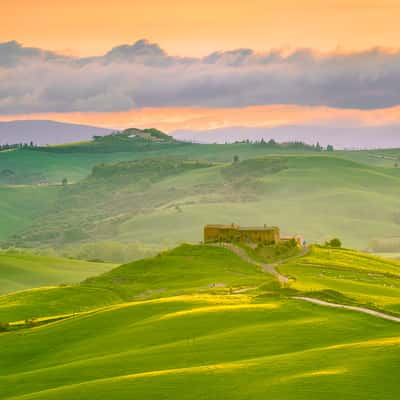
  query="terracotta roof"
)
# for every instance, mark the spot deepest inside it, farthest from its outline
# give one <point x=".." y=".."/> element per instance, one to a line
<point x="222" y="226"/>
<point x="244" y="228"/>
<point x="258" y="228"/>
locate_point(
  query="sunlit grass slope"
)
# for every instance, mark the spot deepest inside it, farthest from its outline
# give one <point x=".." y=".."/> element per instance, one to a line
<point x="202" y="346"/>
<point x="18" y="272"/>
<point x="173" y="327"/>
<point x="347" y="276"/>
<point x="185" y="270"/>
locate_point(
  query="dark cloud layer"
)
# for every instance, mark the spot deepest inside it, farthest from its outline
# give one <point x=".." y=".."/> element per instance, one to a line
<point x="143" y="75"/>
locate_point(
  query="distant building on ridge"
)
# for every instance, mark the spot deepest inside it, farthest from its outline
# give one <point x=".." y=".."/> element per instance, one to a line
<point x="253" y="234"/>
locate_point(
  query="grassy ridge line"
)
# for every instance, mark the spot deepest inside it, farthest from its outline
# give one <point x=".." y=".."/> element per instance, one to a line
<point x="188" y="269"/>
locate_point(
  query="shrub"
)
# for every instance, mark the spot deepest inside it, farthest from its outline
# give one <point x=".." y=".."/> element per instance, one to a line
<point x="335" y="242"/>
<point x="30" y="322"/>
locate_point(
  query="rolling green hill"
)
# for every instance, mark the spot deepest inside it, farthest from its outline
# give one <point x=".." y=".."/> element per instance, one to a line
<point x="74" y="161"/>
<point x="23" y="271"/>
<point x="178" y="323"/>
<point x="315" y="195"/>
<point x="186" y="269"/>
<point x="350" y="194"/>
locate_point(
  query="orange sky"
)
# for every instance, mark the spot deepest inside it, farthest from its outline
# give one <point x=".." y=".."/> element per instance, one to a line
<point x="187" y="27"/>
<point x="195" y="28"/>
<point x="170" y="119"/>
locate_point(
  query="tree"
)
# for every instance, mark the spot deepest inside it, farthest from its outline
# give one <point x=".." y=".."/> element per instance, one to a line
<point x="64" y="182"/>
<point x="235" y="158"/>
<point x="329" y="147"/>
<point x="318" y="147"/>
<point x="335" y="242"/>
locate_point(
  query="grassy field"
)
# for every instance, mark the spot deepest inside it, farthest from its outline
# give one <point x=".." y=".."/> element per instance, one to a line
<point x="317" y="196"/>
<point x="184" y="270"/>
<point x="23" y="271"/>
<point x="176" y="325"/>
<point x="19" y="206"/>
<point x="74" y="161"/>
<point x="350" y="194"/>
<point x="347" y="276"/>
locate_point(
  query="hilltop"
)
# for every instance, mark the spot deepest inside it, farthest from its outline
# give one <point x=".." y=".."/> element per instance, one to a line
<point x="128" y="140"/>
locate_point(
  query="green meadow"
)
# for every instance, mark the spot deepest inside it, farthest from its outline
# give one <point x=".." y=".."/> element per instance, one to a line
<point x="347" y="276"/>
<point x="182" y="322"/>
<point x="133" y="186"/>
<point x="185" y="270"/>
<point x="24" y="271"/>
<point x="318" y="196"/>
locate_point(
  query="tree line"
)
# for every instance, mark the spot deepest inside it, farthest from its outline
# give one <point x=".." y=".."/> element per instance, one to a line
<point x="293" y="145"/>
<point x="17" y="146"/>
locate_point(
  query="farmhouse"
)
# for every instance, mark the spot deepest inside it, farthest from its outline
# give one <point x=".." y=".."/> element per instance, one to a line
<point x="228" y="233"/>
<point x="254" y="234"/>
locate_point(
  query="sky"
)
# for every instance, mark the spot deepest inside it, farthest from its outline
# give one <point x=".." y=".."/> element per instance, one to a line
<point x="199" y="65"/>
<point x="196" y="28"/>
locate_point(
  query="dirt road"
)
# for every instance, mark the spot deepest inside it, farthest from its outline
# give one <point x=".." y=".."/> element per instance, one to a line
<point x="271" y="269"/>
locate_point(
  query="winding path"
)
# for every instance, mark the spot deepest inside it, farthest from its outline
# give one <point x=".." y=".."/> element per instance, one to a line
<point x="353" y="308"/>
<point x="271" y="269"/>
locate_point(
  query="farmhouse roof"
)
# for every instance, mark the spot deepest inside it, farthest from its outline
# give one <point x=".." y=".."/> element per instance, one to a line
<point x="258" y="228"/>
<point x="244" y="228"/>
<point x="223" y="226"/>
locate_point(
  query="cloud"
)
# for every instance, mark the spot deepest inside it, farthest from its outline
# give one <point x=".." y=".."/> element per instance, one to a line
<point x="13" y="54"/>
<point x="142" y="74"/>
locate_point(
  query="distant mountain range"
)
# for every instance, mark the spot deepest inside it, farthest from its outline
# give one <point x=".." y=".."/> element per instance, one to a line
<point x="44" y="132"/>
<point x="341" y="137"/>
